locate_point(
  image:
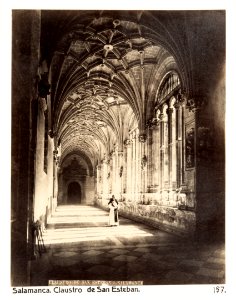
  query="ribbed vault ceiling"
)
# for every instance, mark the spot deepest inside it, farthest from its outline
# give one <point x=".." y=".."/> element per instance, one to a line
<point x="105" y="72"/>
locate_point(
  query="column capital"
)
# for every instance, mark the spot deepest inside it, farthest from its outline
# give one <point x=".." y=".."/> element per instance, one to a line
<point x="127" y="142"/>
<point x="56" y="157"/>
<point x="170" y="111"/>
<point x="134" y="135"/>
<point x="142" y="138"/>
<point x="51" y="133"/>
<point x="196" y="103"/>
<point x="104" y="160"/>
<point x="180" y="99"/>
<point x="160" y="117"/>
<point x="152" y="123"/>
<point x="120" y="153"/>
<point x="112" y="153"/>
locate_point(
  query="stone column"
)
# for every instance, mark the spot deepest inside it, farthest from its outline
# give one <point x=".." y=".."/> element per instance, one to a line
<point x="124" y="173"/>
<point x="144" y="158"/>
<point x="60" y="198"/>
<point x="166" y="148"/>
<point x="101" y="178"/>
<point x="98" y="180"/>
<point x="183" y="181"/>
<point x="104" y="178"/>
<point x="55" y="167"/>
<point x="162" y="149"/>
<point x="174" y="158"/>
<point x="113" y="173"/>
<point x="207" y="203"/>
<point x="55" y="180"/>
<point x="128" y="167"/>
<point x="150" y="163"/>
<point x="155" y="154"/>
<point x="109" y="174"/>
<point x="133" y="164"/>
<point x="138" y="167"/>
<point x="179" y="143"/>
<point x="170" y="145"/>
<point x="116" y="190"/>
<point x="119" y="175"/>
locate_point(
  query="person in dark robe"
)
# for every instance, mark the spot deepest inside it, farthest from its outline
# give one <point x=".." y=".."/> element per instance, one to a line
<point x="113" y="214"/>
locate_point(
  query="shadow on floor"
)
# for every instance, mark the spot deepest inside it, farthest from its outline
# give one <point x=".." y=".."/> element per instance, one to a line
<point x="89" y="250"/>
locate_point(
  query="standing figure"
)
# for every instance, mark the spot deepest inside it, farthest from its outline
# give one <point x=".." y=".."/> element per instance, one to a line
<point x="113" y="215"/>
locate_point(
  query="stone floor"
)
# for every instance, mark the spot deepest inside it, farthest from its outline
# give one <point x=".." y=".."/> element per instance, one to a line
<point x="80" y="246"/>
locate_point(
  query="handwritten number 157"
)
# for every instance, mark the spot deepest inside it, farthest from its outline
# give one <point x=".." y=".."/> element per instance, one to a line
<point x="219" y="289"/>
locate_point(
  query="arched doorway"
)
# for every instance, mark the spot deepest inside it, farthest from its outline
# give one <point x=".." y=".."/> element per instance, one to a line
<point x="74" y="193"/>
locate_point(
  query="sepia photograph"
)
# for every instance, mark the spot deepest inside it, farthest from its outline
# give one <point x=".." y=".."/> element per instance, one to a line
<point x="118" y="147"/>
<point x="116" y="154"/>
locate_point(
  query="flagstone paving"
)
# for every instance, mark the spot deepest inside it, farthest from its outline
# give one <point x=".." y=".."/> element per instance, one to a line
<point x="80" y="246"/>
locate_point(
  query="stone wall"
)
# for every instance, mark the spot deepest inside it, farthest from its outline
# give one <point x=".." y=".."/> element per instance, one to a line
<point x="75" y="169"/>
<point x="87" y="188"/>
<point x="43" y="180"/>
<point x="25" y="62"/>
<point x="170" y="219"/>
<point x="210" y="172"/>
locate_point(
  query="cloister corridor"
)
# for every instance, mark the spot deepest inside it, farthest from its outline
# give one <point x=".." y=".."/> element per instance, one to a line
<point x="129" y="104"/>
<point x="80" y="246"/>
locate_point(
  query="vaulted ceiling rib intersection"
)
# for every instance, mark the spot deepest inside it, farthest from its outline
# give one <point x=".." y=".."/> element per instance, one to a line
<point x="108" y="73"/>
